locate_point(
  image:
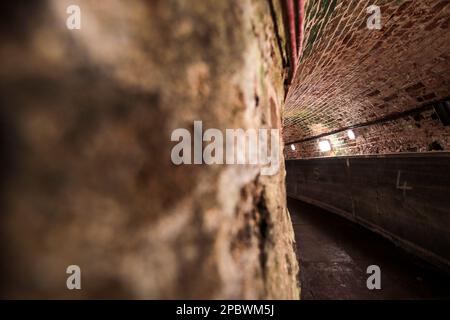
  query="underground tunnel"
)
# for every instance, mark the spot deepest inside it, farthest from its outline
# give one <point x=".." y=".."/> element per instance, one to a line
<point x="225" y="150"/>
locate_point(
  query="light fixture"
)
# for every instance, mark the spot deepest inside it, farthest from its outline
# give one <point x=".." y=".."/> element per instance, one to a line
<point x="324" y="146"/>
<point x="292" y="147"/>
<point x="351" y="135"/>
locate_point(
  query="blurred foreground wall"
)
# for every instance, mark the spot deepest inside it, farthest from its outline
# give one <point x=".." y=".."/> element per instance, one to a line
<point x="86" y="177"/>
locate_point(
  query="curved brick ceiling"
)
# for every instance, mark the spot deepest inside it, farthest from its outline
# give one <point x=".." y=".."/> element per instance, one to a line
<point x="349" y="75"/>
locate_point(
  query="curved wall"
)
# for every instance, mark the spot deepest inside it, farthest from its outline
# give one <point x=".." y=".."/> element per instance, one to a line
<point x="402" y="197"/>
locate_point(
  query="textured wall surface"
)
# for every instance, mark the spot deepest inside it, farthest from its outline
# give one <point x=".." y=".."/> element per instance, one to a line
<point x="421" y="132"/>
<point x="349" y="75"/>
<point x="86" y="173"/>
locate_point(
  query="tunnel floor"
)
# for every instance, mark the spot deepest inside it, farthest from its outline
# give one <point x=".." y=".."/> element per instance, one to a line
<point x="334" y="254"/>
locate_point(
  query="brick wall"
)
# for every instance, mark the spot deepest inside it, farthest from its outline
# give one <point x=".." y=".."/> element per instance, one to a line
<point x="349" y="75"/>
<point x="422" y="132"/>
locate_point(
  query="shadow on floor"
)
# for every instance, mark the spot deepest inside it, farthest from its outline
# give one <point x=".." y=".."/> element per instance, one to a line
<point x="334" y="254"/>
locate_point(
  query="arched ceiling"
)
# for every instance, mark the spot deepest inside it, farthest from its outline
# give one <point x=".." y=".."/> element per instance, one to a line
<point x="349" y="75"/>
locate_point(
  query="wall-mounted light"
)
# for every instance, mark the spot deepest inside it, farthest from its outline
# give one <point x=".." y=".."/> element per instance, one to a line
<point x="324" y="146"/>
<point x="292" y="147"/>
<point x="351" y="135"/>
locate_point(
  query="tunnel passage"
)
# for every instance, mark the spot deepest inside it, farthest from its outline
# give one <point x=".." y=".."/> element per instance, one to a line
<point x="366" y="129"/>
<point x="88" y="114"/>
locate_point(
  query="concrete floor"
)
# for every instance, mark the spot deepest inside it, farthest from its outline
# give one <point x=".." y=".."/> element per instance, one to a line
<point x="334" y="254"/>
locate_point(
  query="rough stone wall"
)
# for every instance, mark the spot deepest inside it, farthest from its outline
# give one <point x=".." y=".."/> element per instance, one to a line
<point x="86" y="172"/>
<point x="350" y="75"/>
<point x="422" y="132"/>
